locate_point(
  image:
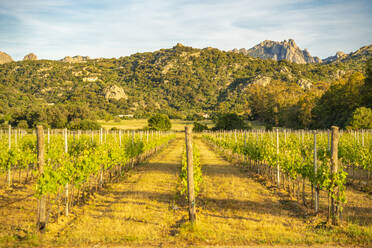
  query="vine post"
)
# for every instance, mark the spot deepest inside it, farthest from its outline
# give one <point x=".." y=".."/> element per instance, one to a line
<point x="10" y="147"/>
<point x="190" y="174"/>
<point x="277" y="152"/>
<point x="66" y="186"/>
<point x="15" y="137"/>
<point x="334" y="170"/>
<point x="315" y="171"/>
<point x="48" y="136"/>
<point x="119" y="137"/>
<point x="41" y="218"/>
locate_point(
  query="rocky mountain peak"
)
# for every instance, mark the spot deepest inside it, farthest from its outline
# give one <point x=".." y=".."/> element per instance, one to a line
<point x="30" y="56"/>
<point x="340" y="54"/>
<point x="363" y="51"/>
<point x="286" y="49"/>
<point x="363" y="54"/>
<point x="291" y="42"/>
<point x="5" y="58"/>
<point x="178" y="45"/>
<point x="75" y="59"/>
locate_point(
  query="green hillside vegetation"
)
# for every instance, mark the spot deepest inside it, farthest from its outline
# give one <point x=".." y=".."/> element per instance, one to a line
<point x="182" y="82"/>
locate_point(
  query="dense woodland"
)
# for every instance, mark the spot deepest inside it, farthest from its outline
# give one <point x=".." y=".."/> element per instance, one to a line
<point x="186" y="83"/>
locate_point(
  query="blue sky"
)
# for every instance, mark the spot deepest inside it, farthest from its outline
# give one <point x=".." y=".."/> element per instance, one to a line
<point x="112" y="28"/>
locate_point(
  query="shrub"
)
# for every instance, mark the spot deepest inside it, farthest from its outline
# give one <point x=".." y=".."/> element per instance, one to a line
<point x="22" y="124"/>
<point x="361" y="119"/>
<point x="198" y="127"/>
<point x="78" y="124"/>
<point x="159" y="122"/>
<point x="230" y="121"/>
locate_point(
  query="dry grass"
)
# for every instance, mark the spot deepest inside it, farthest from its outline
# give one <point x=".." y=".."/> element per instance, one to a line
<point x="134" y="124"/>
<point x="17" y="215"/>
<point x="137" y="210"/>
<point x="143" y="210"/>
<point x="236" y="210"/>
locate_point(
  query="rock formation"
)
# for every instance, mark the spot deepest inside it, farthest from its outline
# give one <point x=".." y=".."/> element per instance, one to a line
<point x="75" y="59"/>
<point x="339" y="55"/>
<point x="261" y="80"/>
<point x="304" y="83"/>
<point x="363" y="53"/>
<point x="30" y="56"/>
<point x="115" y="92"/>
<point x="287" y="50"/>
<point x="5" y="58"/>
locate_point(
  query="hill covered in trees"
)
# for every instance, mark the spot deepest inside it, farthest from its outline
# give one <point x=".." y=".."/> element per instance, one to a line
<point x="183" y="82"/>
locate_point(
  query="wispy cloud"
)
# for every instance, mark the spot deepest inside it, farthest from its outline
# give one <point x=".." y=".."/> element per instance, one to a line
<point x="114" y="28"/>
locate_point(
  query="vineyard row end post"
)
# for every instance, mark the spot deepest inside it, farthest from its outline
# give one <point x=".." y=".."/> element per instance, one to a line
<point x="41" y="219"/>
<point x="315" y="172"/>
<point x="190" y="174"/>
<point x="335" y="208"/>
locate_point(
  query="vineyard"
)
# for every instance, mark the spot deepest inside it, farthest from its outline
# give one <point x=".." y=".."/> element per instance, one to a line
<point x="290" y="159"/>
<point x="74" y="164"/>
<point x="138" y="183"/>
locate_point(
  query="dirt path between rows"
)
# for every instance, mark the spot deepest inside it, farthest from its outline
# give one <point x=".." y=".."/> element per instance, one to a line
<point x="140" y="209"/>
<point x="239" y="210"/>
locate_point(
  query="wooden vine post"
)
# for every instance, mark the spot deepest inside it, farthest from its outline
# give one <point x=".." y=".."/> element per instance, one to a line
<point x="315" y="171"/>
<point x="277" y="165"/>
<point x="119" y="137"/>
<point x="190" y="174"/>
<point x="9" y="148"/>
<point x="334" y="170"/>
<point x="66" y="186"/>
<point x="41" y="218"/>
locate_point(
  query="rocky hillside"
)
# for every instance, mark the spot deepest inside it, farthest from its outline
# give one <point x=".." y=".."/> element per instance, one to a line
<point x="180" y="81"/>
<point x="338" y="56"/>
<point x="5" y="58"/>
<point x="30" y="56"/>
<point x="361" y="55"/>
<point x="285" y="50"/>
<point x="75" y="59"/>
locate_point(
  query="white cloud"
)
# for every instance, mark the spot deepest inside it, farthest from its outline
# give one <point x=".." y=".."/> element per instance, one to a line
<point x="54" y="29"/>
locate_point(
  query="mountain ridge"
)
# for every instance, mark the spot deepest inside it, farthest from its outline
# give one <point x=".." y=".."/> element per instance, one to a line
<point x="267" y="49"/>
<point x="180" y="81"/>
<point x="362" y="53"/>
<point x="284" y="50"/>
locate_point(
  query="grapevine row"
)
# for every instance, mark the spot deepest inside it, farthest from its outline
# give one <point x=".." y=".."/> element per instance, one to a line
<point x="289" y="156"/>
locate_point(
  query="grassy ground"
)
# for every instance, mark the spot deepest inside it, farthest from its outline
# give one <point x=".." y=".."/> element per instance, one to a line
<point x="236" y="210"/>
<point x="138" y="210"/>
<point x="144" y="209"/>
<point x="132" y="124"/>
<point x="17" y="209"/>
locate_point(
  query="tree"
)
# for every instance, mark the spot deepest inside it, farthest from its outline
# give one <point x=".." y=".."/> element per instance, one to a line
<point x="159" y="122"/>
<point x="367" y="89"/>
<point x="198" y="127"/>
<point x="230" y="121"/>
<point x="78" y="124"/>
<point x="338" y="103"/>
<point x="361" y="119"/>
<point x="22" y="124"/>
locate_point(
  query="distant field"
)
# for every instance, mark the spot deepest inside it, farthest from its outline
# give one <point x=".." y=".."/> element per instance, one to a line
<point x="177" y="125"/>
